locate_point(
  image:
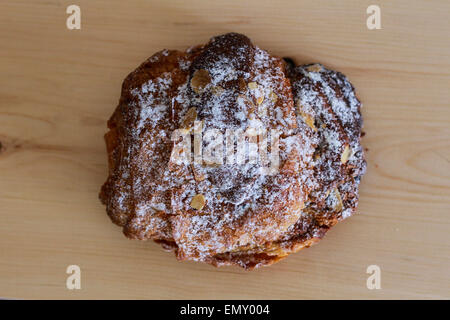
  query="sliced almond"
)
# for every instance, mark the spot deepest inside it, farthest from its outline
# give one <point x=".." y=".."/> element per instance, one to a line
<point x="200" y="80"/>
<point x="309" y="120"/>
<point x="198" y="202"/>
<point x="189" y="118"/>
<point x="345" y="154"/>
<point x="253" y="85"/>
<point x="339" y="205"/>
<point x="260" y="100"/>
<point x="314" y="68"/>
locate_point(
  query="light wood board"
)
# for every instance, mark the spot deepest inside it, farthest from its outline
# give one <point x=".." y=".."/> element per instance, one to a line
<point x="58" y="87"/>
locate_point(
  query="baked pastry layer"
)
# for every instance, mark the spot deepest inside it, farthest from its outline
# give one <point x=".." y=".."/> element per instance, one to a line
<point x="233" y="213"/>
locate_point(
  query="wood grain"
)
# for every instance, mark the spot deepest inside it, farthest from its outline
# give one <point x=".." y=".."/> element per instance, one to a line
<point x="58" y="87"/>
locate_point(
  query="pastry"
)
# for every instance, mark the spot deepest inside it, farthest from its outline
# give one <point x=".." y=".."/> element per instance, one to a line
<point x="200" y="199"/>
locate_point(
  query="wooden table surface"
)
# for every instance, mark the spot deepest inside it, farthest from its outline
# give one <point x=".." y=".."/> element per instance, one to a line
<point x="58" y="87"/>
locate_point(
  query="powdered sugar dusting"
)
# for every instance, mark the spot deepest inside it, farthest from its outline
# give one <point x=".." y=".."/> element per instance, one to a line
<point x="245" y="210"/>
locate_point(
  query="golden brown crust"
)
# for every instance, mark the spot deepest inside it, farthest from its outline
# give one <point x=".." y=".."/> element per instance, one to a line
<point x="232" y="213"/>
